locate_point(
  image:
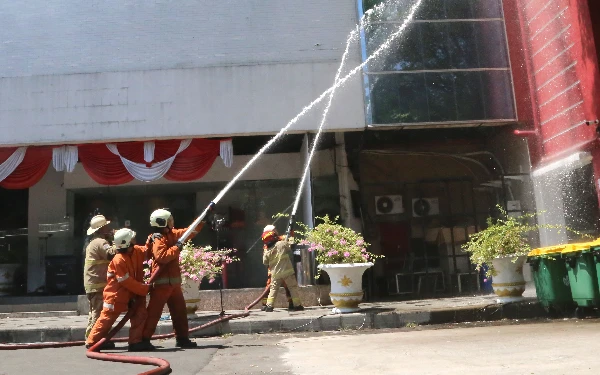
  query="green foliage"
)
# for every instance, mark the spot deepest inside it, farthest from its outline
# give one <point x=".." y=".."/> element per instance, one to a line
<point x="504" y="237"/>
<point x="334" y="243"/>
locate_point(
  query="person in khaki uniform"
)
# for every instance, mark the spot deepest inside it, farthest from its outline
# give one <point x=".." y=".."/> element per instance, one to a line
<point x="98" y="255"/>
<point x="276" y="256"/>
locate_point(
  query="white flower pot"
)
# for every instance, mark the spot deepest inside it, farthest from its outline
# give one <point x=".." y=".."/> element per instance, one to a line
<point x="508" y="282"/>
<point x="346" y="285"/>
<point x="7" y="278"/>
<point x="191" y="294"/>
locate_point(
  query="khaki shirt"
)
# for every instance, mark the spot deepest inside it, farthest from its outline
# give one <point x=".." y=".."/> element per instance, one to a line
<point x="277" y="258"/>
<point x="96" y="264"/>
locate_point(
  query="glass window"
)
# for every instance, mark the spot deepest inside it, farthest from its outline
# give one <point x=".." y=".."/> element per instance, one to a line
<point x="439" y="9"/>
<point x="455" y="45"/>
<point x="453" y="69"/>
<point x="399" y="98"/>
<point x="438" y="97"/>
<point x="469" y="103"/>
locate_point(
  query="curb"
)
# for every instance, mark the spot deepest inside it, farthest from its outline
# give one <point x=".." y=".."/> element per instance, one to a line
<point x="368" y="319"/>
<point x="38" y="314"/>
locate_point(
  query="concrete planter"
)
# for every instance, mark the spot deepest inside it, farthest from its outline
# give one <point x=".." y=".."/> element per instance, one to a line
<point x="346" y="285"/>
<point x="191" y="294"/>
<point x="508" y="282"/>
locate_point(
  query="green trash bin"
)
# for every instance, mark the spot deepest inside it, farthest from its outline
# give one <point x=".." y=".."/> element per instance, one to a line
<point x="583" y="277"/>
<point x="596" y="252"/>
<point x="551" y="278"/>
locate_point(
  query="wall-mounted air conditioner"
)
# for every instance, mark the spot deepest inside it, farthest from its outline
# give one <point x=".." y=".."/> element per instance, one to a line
<point x="388" y="205"/>
<point x="425" y="207"/>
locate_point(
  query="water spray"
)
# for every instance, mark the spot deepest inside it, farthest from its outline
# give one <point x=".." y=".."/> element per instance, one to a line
<point x="377" y="10"/>
<point x="163" y="366"/>
<point x="385" y="45"/>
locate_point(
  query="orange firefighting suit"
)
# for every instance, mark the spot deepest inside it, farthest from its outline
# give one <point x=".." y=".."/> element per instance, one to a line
<point x="167" y="285"/>
<point x="124" y="277"/>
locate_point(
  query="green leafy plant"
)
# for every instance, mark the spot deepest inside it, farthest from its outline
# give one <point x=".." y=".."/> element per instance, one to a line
<point x="334" y="243"/>
<point x="505" y="237"/>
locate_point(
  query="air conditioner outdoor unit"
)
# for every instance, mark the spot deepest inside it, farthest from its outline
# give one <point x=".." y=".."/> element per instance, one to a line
<point x="425" y="207"/>
<point x="388" y="204"/>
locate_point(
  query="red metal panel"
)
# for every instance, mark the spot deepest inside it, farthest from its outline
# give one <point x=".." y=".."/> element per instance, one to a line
<point x="522" y="73"/>
<point x="563" y="65"/>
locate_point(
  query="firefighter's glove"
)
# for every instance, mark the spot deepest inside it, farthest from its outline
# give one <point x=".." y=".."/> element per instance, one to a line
<point x="149" y="241"/>
<point x="179" y="245"/>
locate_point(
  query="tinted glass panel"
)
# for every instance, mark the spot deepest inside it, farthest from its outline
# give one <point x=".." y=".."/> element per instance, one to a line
<point x="438" y="9"/>
<point x="438" y="97"/>
<point x="399" y="98"/>
<point x="453" y="45"/>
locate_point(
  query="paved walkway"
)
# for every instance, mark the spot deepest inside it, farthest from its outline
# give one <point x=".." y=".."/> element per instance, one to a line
<point x="66" y="326"/>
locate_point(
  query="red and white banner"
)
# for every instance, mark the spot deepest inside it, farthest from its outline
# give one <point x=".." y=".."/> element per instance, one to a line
<point x="115" y="164"/>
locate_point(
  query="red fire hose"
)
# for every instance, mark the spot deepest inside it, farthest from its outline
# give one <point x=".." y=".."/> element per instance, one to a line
<point x="163" y="367"/>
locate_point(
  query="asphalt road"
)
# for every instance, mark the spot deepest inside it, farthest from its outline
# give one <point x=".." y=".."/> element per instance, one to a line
<point x="559" y="347"/>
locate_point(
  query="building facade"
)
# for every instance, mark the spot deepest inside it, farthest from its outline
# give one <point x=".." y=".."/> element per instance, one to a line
<point x="75" y="78"/>
<point x="421" y="147"/>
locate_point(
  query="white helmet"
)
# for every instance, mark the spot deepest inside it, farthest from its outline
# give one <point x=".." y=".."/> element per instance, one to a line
<point x="269" y="228"/>
<point x="159" y="218"/>
<point x="123" y="238"/>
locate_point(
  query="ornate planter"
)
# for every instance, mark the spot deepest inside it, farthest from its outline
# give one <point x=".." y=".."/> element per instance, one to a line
<point x="346" y="285"/>
<point x="191" y="294"/>
<point x="508" y="282"/>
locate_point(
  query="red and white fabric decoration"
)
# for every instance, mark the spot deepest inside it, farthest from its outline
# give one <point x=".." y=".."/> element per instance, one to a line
<point x="65" y="158"/>
<point x="174" y="160"/>
<point x="115" y="164"/>
<point x="149" y="151"/>
<point x="23" y="167"/>
<point x="12" y="162"/>
<point x="226" y="152"/>
<point x="147" y="173"/>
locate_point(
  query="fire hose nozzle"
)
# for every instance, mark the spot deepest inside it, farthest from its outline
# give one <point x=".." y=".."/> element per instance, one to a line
<point x="290" y="228"/>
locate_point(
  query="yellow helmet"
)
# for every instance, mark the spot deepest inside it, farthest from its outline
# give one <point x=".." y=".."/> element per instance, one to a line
<point x="159" y="218"/>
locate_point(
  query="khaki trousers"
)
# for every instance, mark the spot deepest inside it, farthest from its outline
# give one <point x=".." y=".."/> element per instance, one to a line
<point x="95" y="302"/>
<point x="292" y="285"/>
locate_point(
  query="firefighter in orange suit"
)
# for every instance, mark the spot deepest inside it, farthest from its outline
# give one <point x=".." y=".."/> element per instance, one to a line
<point x="277" y="257"/>
<point x="124" y="290"/>
<point x="167" y="286"/>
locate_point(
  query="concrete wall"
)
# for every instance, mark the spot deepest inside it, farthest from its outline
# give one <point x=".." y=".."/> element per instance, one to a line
<point x="62" y="37"/>
<point x="122" y="70"/>
<point x="47" y="205"/>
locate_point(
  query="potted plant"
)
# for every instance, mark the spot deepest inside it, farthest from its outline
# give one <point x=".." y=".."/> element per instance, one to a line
<point x="342" y="253"/>
<point x="503" y="247"/>
<point x="197" y="263"/>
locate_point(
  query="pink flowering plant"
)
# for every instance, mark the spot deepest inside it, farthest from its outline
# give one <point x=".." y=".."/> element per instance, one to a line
<point x="199" y="262"/>
<point x="335" y="244"/>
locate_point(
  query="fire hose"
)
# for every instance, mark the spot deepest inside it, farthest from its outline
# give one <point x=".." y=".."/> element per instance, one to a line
<point x="163" y="367"/>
